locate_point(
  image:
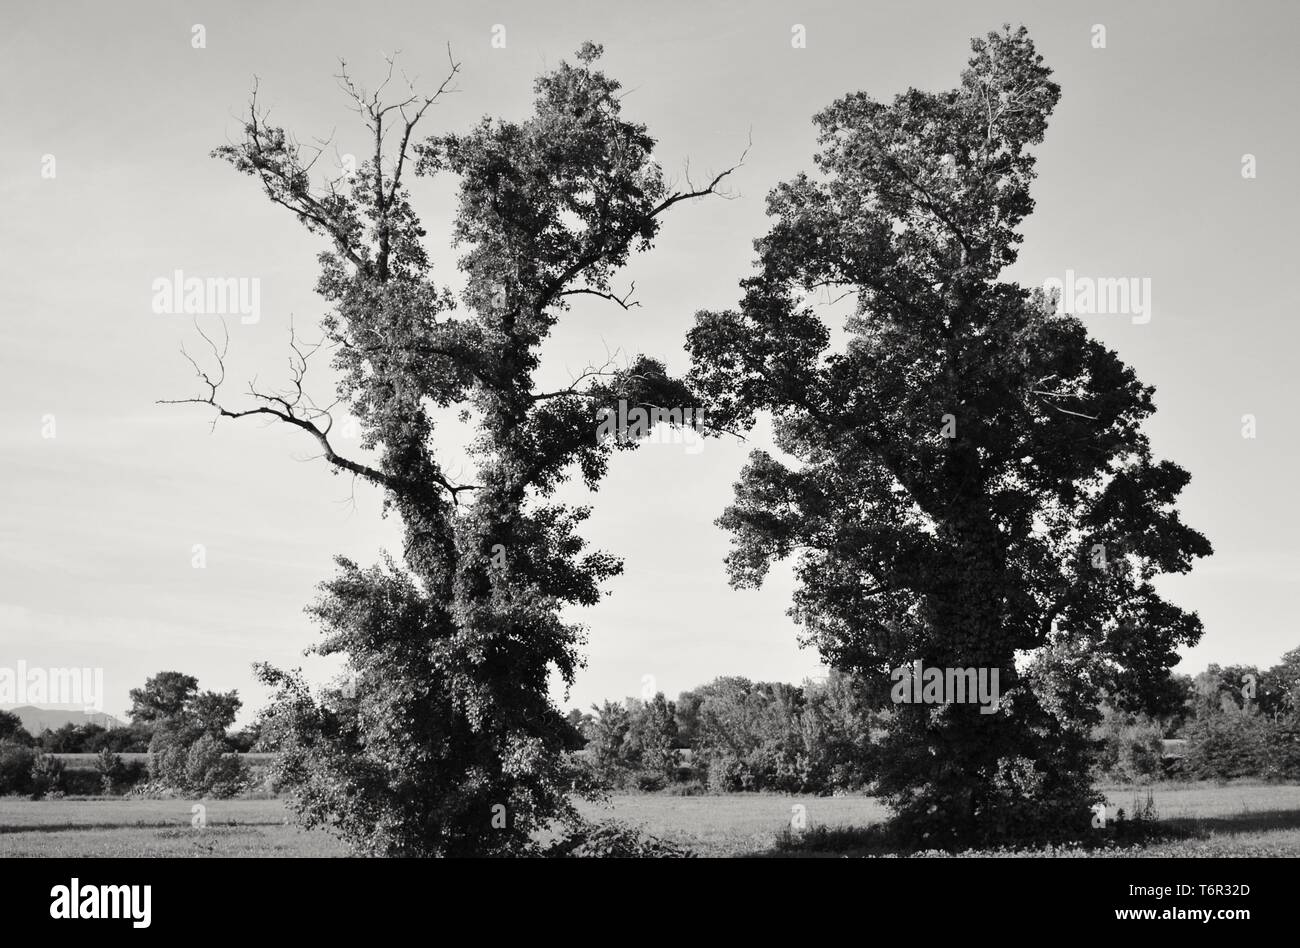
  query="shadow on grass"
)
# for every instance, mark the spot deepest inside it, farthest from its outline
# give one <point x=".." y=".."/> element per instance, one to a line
<point x="855" y="841"/>
<point x="877" y="840"/>
<point x="1248" y="821"/>
<point x="833" y="841"/>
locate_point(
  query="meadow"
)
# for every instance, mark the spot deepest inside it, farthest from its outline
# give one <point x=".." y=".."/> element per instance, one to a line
<point x="1235" y="819"/>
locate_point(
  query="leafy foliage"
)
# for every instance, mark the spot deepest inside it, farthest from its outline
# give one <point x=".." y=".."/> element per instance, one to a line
<point x="1131" y="746"/>
<point x="197" y="766"/>
<point x="11" y="729"/>
<point x="733" y="735"/>
<point x="959" y="462"/>
<point x="445" y="722"/>
<point x="47" y="776"/>
<point x="612" y="839"/>
<point x="165" y="696"/>
<point x="111" y="769"/>
<point x="16" y="761"/>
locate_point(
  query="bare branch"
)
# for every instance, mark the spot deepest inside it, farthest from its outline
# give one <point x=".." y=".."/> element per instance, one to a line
<point x="622" y="301"/>
<point x="288" y="408"/>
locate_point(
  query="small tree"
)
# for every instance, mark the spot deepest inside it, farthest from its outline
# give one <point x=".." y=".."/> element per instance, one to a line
<point x="111" y="770"/>
<point x="609" y="747"/>
<point x="47" y="775"/>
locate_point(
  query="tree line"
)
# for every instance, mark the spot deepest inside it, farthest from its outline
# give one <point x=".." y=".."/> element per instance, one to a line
<point x="730" y="735"/>
<point x="826" y="736"/>
<point x="185" y="732"/>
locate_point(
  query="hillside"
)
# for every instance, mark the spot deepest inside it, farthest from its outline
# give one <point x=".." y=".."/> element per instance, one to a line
<point x="36" y="720"/>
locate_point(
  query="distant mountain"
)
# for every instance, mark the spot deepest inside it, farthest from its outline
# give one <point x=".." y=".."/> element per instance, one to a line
<point x="36" y="720"/>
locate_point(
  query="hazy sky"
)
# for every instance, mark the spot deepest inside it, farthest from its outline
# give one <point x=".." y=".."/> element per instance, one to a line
<point x="1140" y="176"/>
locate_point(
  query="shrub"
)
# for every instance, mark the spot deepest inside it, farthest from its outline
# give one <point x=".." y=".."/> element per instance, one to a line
<point x="649" y="782"/>
<point x="110" y="768"/>
<point x="1131" y="747"/>
<point x="198" y="766"/>
<point x="133" y="772"/>
<point x="1281" y="750"/>
<point x="727" y="774"/>
<point x="47" y="776"/>
<point x="832" y="839"/>
<point x="78" y="782"/>
<point x="612" y="840"/>
<point x="211" y="772"/>
<point x="688" y="788"/>
<point x="153" y="790"/>
<point x="167" y="755"/>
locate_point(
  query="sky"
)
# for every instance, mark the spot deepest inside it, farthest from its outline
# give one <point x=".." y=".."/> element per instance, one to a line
<point x="105" y="494"/>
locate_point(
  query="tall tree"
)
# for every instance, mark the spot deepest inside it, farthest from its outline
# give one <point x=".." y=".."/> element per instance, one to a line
<point x="967" y="480"/>
<point x="445" y="741"/>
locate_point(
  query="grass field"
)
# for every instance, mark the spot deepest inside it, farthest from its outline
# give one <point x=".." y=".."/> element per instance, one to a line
<point x="1231" y="820"/>
<point x="117" y="827"/>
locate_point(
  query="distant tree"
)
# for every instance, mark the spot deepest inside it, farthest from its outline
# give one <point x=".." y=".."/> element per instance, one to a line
<point x="165" y="696"/>
<point x="61" y="740"/>
<point x="184" y="732"/>
<point x="132" y="739"/>
<point x="214" y="712"/>
<point x="1233" y="743"/>
<point x="16" y="761"/>
<point x="746" y="735"/>
<point x="11" y="729"/>
<point x="1182" y="689"/>
<point x="840" y="728"/>
<point x="652" y="737"/>
<point x="1279" y="687"/>
<point x="247" y="738"/>
<point x="577" y="719"/>
<point x="1220" y="690"/>
<point x="967" y="477"/>
<point x="1131" y="745"/>
<point x="608" y="744"/>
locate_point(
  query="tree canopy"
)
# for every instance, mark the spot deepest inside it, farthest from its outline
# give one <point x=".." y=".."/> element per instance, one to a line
<point x="966" y="480"/>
